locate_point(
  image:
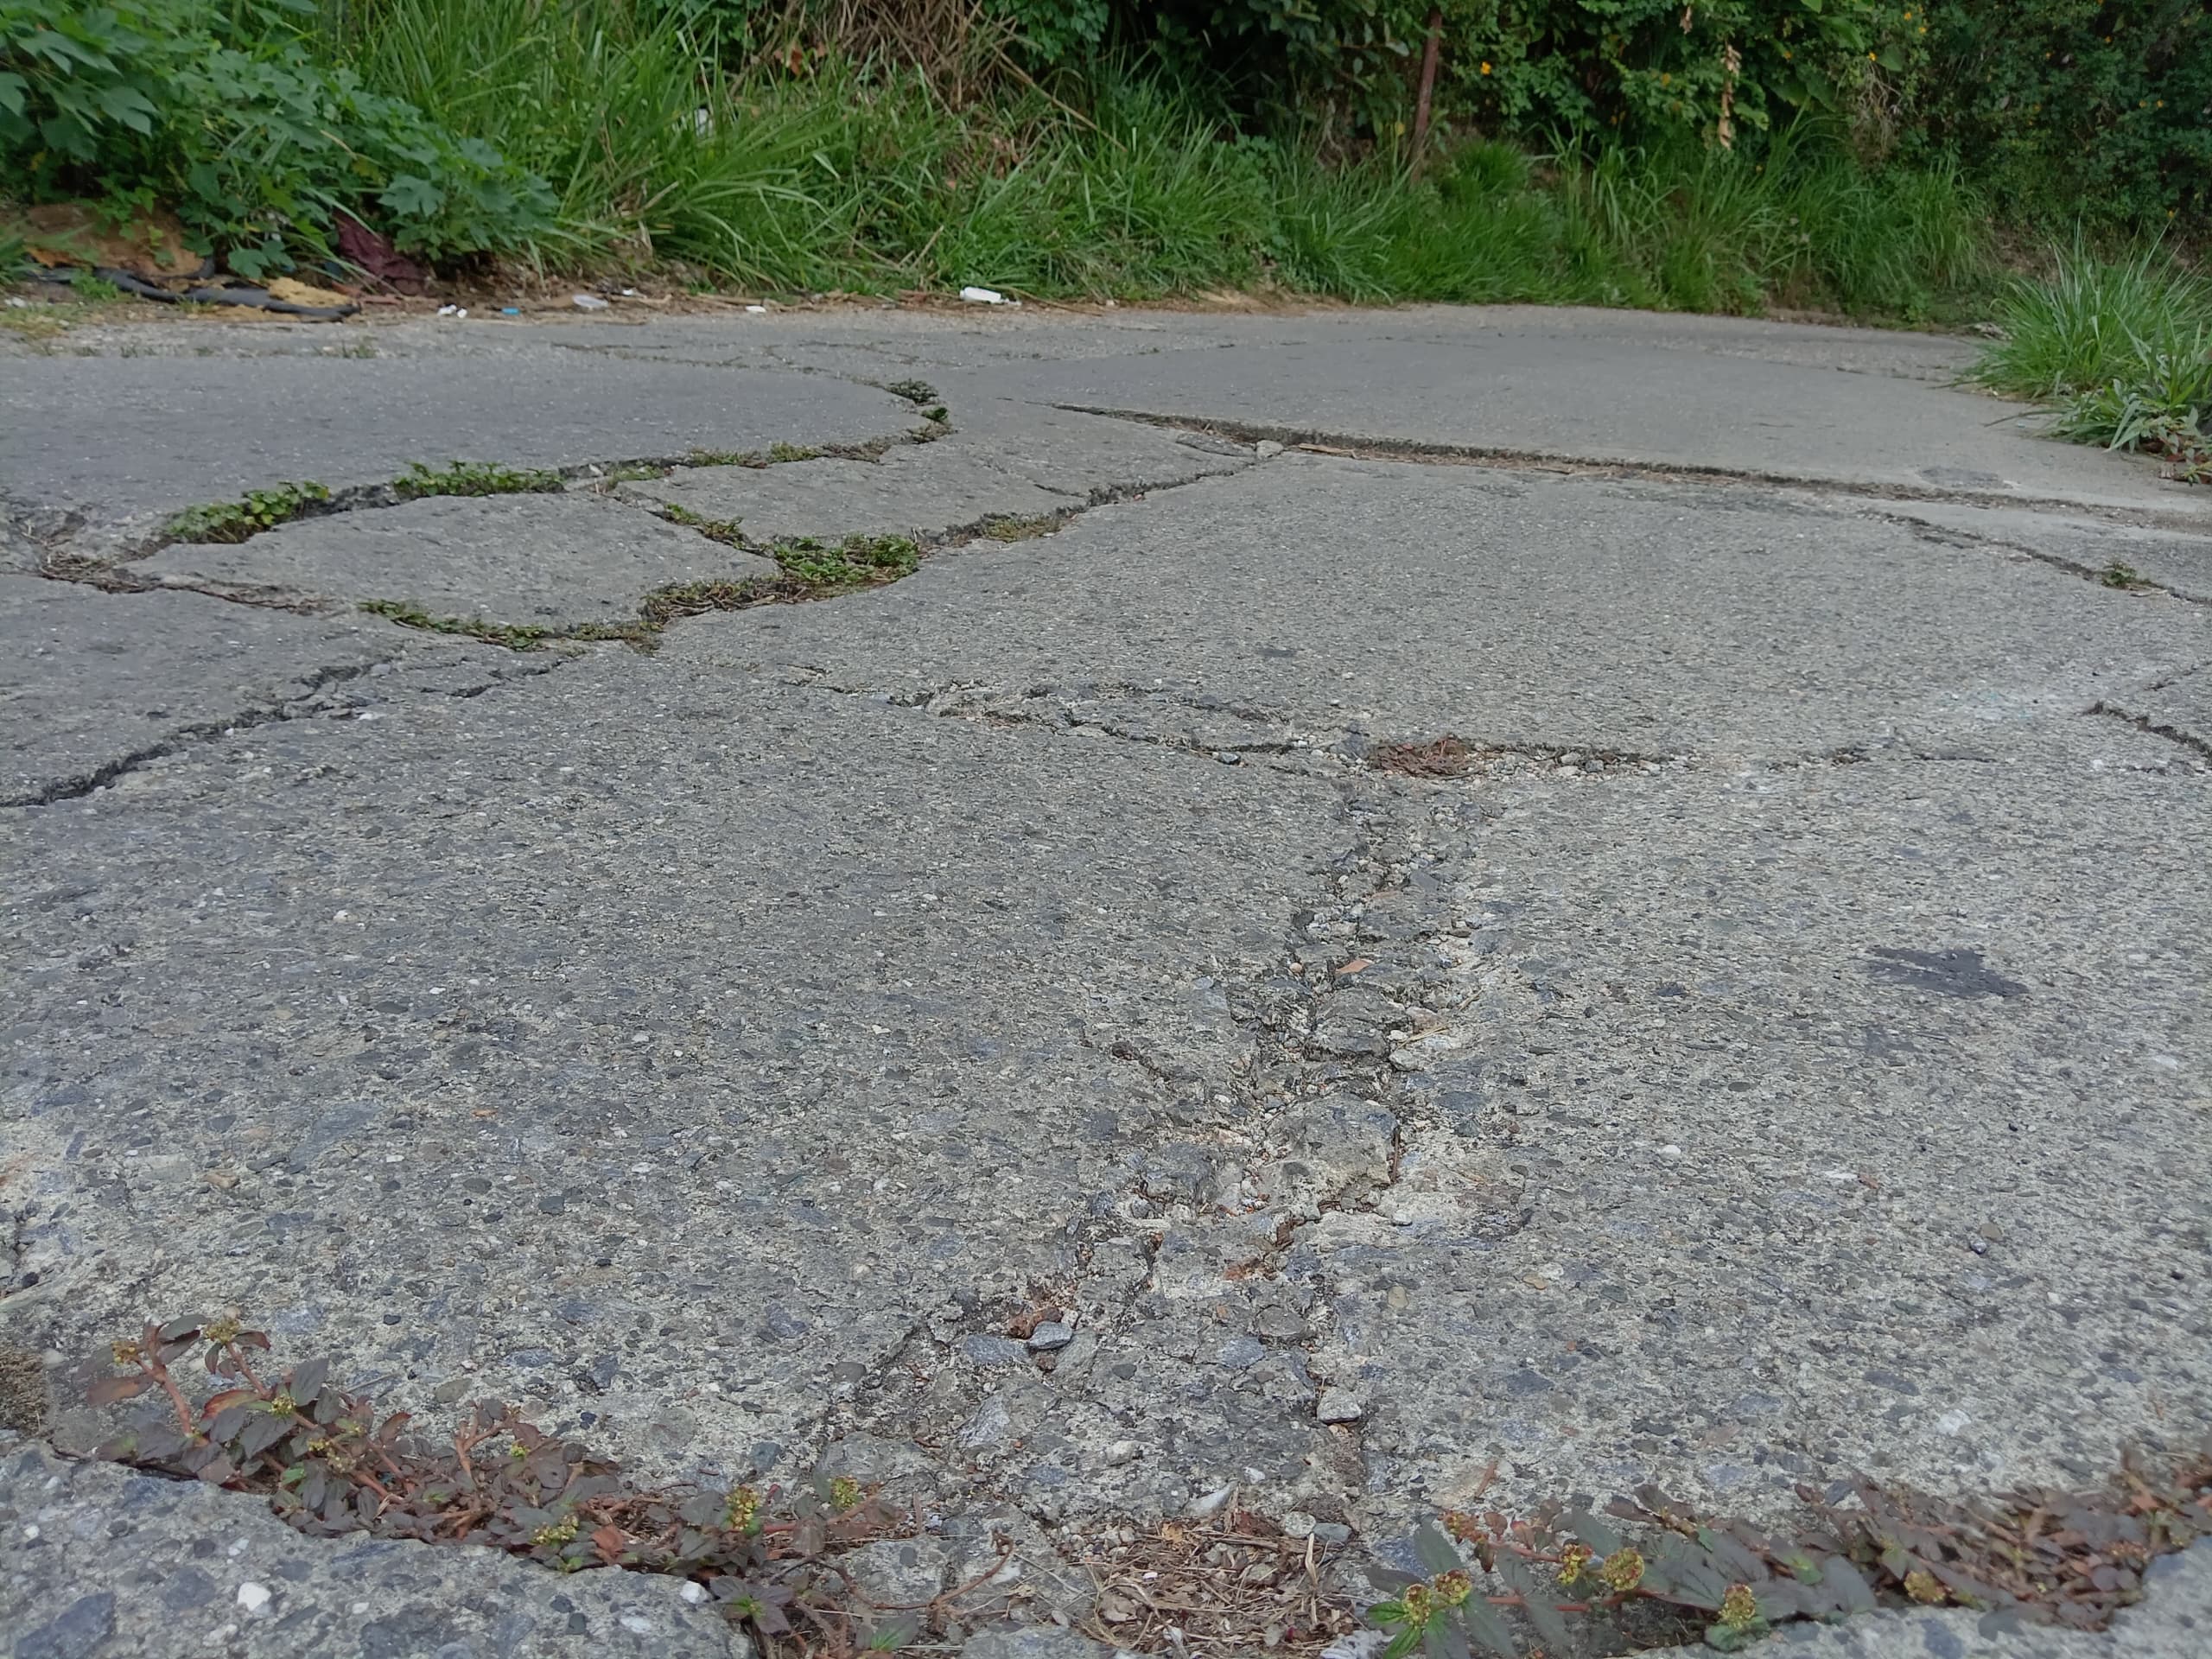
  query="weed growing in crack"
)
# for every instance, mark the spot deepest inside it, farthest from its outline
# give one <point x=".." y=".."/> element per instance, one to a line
<point x="473" y="478"/>
<point x="856" y="562"/>
<point x="725" y="458"/>
<point x="321" y="1458"/>
<point x="2063" y="1557"/>
<point x="697" y="598"/>
<point x="1014" y="528"/>
<point x="781" y="453"/>
<point x="515" y="636"/>
<point x="724" y="530"/>
<point x="255" y="512"/>
<point x="636" y="472"/>
<point x="923" y="397"/>
<point x="2117" y="575"/>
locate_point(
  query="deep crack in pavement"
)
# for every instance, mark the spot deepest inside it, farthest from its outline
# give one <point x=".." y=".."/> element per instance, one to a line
<point x="1407" y="978"/>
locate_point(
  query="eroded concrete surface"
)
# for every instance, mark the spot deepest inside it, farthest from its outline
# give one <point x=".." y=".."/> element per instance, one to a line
<point x="1782" y="1053"/>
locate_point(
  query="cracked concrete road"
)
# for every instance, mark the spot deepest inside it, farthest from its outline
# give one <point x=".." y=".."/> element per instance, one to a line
<point x="1777" y="1050"/>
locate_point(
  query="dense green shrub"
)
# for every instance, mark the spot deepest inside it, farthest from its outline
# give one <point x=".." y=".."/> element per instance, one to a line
<point x="1634" y="68"/>
<point x="2064" y="108"/>
<point x="224" y="113"/>
<point x="2058" y="107"/>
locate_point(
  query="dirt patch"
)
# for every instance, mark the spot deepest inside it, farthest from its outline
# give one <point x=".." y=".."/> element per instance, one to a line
<point x="1443" y="757"/>
<point x="1238" y="1584"/>
<point x="23" y="1392"/>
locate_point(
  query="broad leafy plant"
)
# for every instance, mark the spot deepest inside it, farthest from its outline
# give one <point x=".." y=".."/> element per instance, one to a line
<point x="226" y="114"/>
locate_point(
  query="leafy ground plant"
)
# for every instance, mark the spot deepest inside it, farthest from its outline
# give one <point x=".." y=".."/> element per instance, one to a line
<point x="328" y="1463"/>
<point x="2036" y="1555"/>
<point x="253" y="512"/>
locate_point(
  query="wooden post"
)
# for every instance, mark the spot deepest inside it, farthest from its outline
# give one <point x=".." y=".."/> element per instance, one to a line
<point x="1427" y="87"/>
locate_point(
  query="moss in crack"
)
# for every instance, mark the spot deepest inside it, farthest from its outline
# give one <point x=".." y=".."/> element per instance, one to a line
<point x="724" y="530"/>
<point x="515" y="636"/>
<point x="725" y="458"/>
<point x="923" y="397"/>
<point x="473" y="478"/>
<point x="1016" y="529"/>
<point x="782" y="453"/>
<point x="253" y="512"/>
<point x="697" y="598"/>
<point x="815" y="573"/>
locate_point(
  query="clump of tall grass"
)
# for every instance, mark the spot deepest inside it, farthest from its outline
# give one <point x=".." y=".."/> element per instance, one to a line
<point x="2122" y="346"/>
<point x="2093" y="320"/>
<point x="868" y="178"/>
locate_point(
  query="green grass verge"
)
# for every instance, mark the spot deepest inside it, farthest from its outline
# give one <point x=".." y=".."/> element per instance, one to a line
<point x="840" y="181"/>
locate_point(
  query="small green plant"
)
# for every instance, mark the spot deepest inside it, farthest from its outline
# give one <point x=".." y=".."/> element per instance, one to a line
<point x="256" y="510"/>
<point x="2117" y="575"/>
<point x="95" y="290"/>
<point x="724" y="530"/>
<point x="920" y="393"/>
<point x="780" y="453"/>
<point x="856" y="562"/>
<point x="725" y="458"/>
<point x="473" y="478"/>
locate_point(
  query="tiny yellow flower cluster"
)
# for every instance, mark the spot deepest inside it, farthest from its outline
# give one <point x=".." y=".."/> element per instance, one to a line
<point x="1622" y="1571"/>
<point x="1573" y="1562"/>
<point x="557" y="1532"/>
<point x="1739" y="1608"/>
<point x="743" y="1514"/>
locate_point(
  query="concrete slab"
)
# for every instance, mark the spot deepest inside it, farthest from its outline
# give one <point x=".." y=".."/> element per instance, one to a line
<point x="831" y="1041"/>
<point x="156" y="433"/>
<point x="1510" y="608"/>
<point x="1592" y="394"/>
<point x="1781" y="1049"/>
<point x="550" y="560"/>
<point x="2177" y="560"/>
<point x="1005" y="460"/>
<point x="94" y="682"/>
<point x="196" y="1557"/>
<point x="915" y="491"/>
<point x="2179" y="707"/>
